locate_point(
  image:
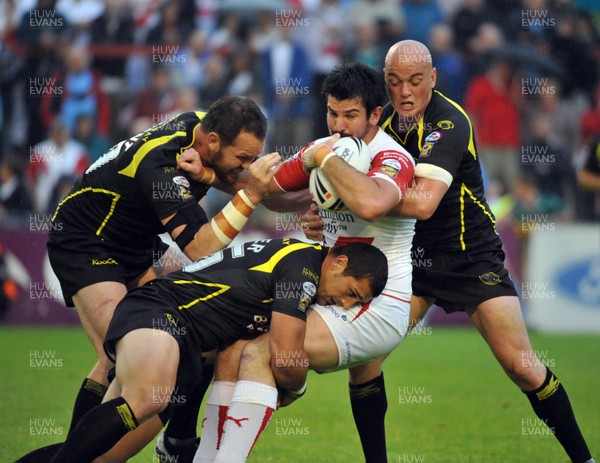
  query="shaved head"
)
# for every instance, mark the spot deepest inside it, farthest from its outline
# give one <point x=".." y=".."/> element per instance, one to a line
<point x="408" y="52"/>
<point x="409" y="78"/>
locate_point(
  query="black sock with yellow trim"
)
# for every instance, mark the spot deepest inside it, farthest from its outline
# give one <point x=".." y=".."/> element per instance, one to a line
<point x="97" y="432"/>
<point x="369" y="404"/>
<point x="551" y="404"/>
<point x="89" y="396"/>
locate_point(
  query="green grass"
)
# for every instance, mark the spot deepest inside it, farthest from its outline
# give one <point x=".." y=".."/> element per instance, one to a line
<point x="468" y="412"/>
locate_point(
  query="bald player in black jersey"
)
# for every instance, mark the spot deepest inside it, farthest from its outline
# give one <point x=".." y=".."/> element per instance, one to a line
<point x="160" y="329"/>
<point x="456" y="233"/>
<point x="105" y="237"/>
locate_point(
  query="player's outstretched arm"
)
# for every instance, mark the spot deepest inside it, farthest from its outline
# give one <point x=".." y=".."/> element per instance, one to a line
<point x="197" y="239"/>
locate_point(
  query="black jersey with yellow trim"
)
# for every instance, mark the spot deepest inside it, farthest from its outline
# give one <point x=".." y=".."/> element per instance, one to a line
<point x="231" y="294"/>
<point x="444" y="137"/>
<point x="123" y="196"/>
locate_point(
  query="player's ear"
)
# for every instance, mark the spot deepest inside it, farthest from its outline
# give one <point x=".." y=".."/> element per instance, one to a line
<point x="375" y="115"/>
<point x="214" y="142"/>
<point x="340" y="263"/>
<point x="433" y="77"/>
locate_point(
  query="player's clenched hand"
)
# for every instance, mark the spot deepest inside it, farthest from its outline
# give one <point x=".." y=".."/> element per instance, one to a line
<point x="260" y="174"/>
<point x="312" y="224"/>
<point x="314" y="154"/>
<point x="189" y="161"/>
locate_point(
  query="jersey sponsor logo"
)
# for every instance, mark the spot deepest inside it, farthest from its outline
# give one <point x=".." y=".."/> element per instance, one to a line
<point x="309" y="273"/>
<point x="445" y="125"/>
<point x="309" y="288"/>
<point x="109" y="261"/>
<point x="490" y="278"/>
<point x="390" y="167"/>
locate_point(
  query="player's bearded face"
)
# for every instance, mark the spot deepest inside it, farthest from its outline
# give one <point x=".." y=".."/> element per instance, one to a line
<point x="233" y="159"/>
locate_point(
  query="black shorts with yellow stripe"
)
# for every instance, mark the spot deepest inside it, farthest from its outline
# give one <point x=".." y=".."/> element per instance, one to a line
<point x="460" y="281"/>
<point x="143" y="308"/>
<point x="80" y="260"/>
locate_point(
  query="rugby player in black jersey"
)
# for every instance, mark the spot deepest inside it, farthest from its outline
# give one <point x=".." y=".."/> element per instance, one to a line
<point x="159" y="330"/>
<point x="106" y="234"/>
<point x="456" y="233"/>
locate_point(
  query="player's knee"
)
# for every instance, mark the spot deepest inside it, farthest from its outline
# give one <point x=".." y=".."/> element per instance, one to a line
<point x="147" y="401"/>
<point x="255" y="352"/>
<point x="526" y="371"/>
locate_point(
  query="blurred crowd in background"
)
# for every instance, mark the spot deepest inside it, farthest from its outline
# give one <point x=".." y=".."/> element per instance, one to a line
<point x="77" y="76"/>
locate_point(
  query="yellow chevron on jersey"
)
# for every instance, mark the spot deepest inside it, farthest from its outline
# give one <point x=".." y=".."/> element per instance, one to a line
<point x="269" y="265"/>
<point x="221" y="290"/>
<point x="140" y="154"/>
<point x="463" y="190"/>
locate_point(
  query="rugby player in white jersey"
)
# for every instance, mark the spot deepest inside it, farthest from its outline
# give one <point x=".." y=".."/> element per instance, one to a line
<point x="358" y="338"/>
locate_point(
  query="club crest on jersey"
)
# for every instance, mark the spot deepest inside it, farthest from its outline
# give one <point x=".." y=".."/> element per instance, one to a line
<point x="445" y="125"/>
<point x="390" y="167"/>
<point x="308" y="292"/>
<point x="490" y="278"/>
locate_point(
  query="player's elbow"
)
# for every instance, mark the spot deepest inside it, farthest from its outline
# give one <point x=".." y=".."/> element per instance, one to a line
<point x="369" y="209"/>
<point x="423" y="210"/>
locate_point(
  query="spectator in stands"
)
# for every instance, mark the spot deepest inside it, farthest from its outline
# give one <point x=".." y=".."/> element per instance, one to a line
<point x="325" y="45"/>
<point x="42" y="31"/>
<point x="114" y="27"/>
<point x="56" y="157"/>
<point x="169" y="30"/>
<point x="154" y="101"/>
<point x="589" y="179"/>
<point x="191" y="70"/>
<point x="75" y="90"/>
<point x="15" y="199"/>
<point x="81" y="14"/>
<point x="466" y="22"/>
<point x="421" y="16"/>
<point x="286" y="71"/>
<point x="549" y="164"/>
<point x="451" y="68"/>
<point x="490" y="101"/>
<point x="95" y="144"/>
<point x="367" y="47"/>
<point x="387" y="14"/>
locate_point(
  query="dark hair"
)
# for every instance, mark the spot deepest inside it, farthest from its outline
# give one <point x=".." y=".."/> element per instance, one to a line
<point x="365" y="261"/>
<point x="231" y="115"/>
<point x="356" y="80"/>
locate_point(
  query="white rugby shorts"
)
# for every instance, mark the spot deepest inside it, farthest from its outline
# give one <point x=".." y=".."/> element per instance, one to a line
<point x="366" y="332"/>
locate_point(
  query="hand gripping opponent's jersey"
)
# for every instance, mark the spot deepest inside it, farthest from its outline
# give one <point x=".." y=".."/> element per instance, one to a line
<point x="443" y="143"/>
<point x="123" y="196"/>
<point x="393" y="235"/>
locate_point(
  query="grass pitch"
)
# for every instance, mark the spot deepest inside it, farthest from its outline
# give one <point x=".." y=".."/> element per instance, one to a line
<point x="449" y="401"/>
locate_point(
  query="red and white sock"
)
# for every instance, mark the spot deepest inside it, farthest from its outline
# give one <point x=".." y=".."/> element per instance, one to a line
<point x="217" y="405"/>
<point x="249" y="413"/>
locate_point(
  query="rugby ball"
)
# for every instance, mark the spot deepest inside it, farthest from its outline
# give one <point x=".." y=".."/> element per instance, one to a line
<point x="352" y="150"/>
